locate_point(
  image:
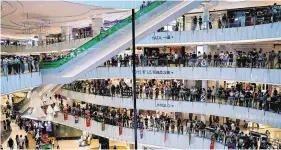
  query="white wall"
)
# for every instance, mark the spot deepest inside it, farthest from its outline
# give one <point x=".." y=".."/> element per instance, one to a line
<point x="243" y="113"/>
<point x="272" y="76"/>
<point x="149" y="137"/>
<point x="12" y="83"/>
<point x="231" y="35"/>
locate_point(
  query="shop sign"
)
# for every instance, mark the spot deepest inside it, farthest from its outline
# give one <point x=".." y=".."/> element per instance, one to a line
<point x="153" y="72"/>
<point x="164" y="105"/>
<point x="157" y="37"/>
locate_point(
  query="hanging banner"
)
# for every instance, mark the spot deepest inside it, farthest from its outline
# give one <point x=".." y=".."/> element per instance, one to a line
<point x="165" y="138"/>
<point x="76" y="119"/>
<point x="88" y="120"/>
<point x="65" y="114"/>
<point x="120" y="127"/>
<point x="45" y="108"/>
<point x="189" y="137"/>
<point x="212" y="144"/>
<point x="141" y="133"/>
<point x="102" y="125"/>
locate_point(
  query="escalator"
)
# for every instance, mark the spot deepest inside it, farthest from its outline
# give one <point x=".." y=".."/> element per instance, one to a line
<point x="113" y="41"/>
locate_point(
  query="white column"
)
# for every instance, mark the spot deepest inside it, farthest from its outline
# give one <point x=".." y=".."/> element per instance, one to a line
<point x="203" y="118"/>
<point x="66" y="32"/>
<point x="42" y="39"/>
<point x="97" y="23"/>
<point x="206" y="49"/>
<point x="205" y="84"/>
<point x="217" y="84"/>
<point x="205" y="17"/>
<point x="70" y="102"/>
<point x="189" y="83"/>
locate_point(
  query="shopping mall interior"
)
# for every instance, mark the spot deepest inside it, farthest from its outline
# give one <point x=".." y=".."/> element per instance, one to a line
<point x="160" y="74"/>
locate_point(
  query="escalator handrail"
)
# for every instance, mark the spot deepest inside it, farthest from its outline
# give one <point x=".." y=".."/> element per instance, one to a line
<point x="100" y="37"/>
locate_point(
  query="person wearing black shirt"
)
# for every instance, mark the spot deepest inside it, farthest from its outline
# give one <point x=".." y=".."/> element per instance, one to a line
<point x="194" y="23"/>
<point x="216" y="59"/>
<point x="156" y="93"/>
<point x="11" y="143"/>
<point x="254" y="58"/>
<point x="209" y="58"/>
<point x="194" y="58"/>
<point x="200" y="22"/>
<point x="220" y="94"/>
<point x="230" y="59"/>
<point x="224" y="20"/>
<point x="146" y="122"/>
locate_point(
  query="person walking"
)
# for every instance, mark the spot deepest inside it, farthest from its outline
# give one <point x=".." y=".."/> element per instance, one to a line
<point x="17" y="141"/>
<point x="21" y="141"/>
<point x="26" y="142"/>
<point x="5" y="125"/>
<point x="11" y="143"/>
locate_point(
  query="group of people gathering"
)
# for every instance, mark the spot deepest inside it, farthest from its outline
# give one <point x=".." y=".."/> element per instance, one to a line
<point x="174" y="90"/>
<point x="241" y="18"/>
<point x="228" y="133"/>
<point x="32" y="127"/>
<point x="50" y="57"/>
<point x="252" y="59"/>
<point x="13" y="64"/>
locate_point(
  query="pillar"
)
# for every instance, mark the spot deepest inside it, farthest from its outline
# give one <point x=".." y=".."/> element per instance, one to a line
<point x="205" y="84"/>
<point x="206" y="49"/>
<point x="217" y="84"/>
<point x="42" y="39"/>
<point x="97" y="23"/>
<point x="205" y="17"/>
<point x="189" y="83"/>
<point x="66" y="32"/>
<point x="203" y="118"/>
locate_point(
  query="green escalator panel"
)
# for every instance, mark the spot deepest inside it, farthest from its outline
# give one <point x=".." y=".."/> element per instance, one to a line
<point x="100" y="37"/>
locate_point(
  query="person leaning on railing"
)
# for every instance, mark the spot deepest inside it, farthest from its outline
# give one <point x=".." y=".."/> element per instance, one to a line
<point x="232" y="96"/>
<point x="228" y="133"/>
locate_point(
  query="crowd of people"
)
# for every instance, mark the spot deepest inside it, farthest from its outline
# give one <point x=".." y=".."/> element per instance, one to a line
<point x="252" y="59"/>
<point x="232" y="19"/>
<point x="174" y="90"/>
<point x="13" y="64"/>
<point x="51" y="57"/>
<point x="228" y="133"/>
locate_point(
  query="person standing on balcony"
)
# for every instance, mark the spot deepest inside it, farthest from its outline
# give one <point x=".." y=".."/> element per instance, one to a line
<point x="211" y="20"/>
<point x="279" y="59"/>
<point x="194" y="23"/>
<point x="200" y="22"/>
<point x="272" y="56"/>
<point x="5" y="66"/>
<point x="242" y="19"/>
<point x="224" y="20"/>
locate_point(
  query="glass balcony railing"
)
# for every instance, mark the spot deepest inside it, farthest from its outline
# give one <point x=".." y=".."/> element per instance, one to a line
<point x="100" y="37"/>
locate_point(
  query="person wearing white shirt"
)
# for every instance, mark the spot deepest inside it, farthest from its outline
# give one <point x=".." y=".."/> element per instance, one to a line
<point x="221" y="56"/>
<point x="213" y="94"/>
<point x="5" y="66"/>
<point x="21" y="141"/>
